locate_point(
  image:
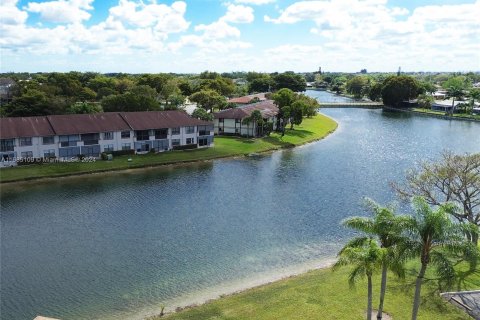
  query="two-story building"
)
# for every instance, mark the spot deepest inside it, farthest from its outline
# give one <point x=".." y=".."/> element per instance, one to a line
<point x="68" y="136"/>
<point x="231" y="121"/>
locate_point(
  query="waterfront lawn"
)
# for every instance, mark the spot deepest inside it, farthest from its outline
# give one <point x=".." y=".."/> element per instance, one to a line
<point x="441" y="113"/>
<point x="311" y="129"/>
<point x="323" y="294"/>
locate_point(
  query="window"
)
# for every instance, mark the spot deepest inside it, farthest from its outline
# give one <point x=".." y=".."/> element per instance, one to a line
<point x="126" y="146"/>
<point x="108" y="136"/>
<point x="237" y="121"/>
<point x="220" y="120"/>
<point x="27" y="154"/>
<point x="204" y="130"/>
<point x="161" y="134"/>
<point x="26" y="141"/>
<point x="108" y="148"/>
<point x="68" y="141"/>
<point x="7" y="145"/>
<point x="90" y="138"/>
<point x="202" y="142"/>
<point x="142" y="135"/>
<point x="175" y="142"/>
<point x="49" y="153"/>
<point x="190" y="140"/>
<point x="125" y="134"/>
<point x="48" y="140"/>
<point x="237" y="130"/>
<point x="175" y="131"/>
<point x="190" y="129"/>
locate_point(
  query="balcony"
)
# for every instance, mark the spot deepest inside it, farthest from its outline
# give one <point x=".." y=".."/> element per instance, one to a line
<point x="68" y="143"/>
<point x="90" y="142"/>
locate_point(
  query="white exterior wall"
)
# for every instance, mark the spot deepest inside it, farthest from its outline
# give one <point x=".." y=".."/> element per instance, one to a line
<point x="38" y="148"/>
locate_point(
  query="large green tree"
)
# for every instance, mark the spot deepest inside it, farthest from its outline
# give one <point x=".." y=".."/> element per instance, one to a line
<point x="283" y="98"/>
<point x="202" y="114"/>
<point x="290" y="80"/>
<point x="209" y="99"/>
<point x="455" y="179"/>
<point x="357" y="86"/>
<point x="397" y="89"/>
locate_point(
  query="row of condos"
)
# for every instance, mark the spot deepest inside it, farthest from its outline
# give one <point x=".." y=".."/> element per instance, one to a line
<point x="69" y="136"/>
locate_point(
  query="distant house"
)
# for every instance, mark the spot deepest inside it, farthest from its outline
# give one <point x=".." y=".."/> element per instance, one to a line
<point x="239" y="101"/>
<point x="6" y="86"/>
<point x="230" y="121"/>
<point x="439" y="95"/>
<point x="446" y="105"/>
<point x="68" y="136"/>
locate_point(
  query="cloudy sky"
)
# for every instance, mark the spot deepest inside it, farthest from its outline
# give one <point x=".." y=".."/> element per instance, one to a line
<point x="261" y="35"/>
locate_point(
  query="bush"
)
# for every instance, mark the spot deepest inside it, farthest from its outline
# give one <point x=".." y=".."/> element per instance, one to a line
<point x="185" y="147"/>
<point x="122" y="152"/>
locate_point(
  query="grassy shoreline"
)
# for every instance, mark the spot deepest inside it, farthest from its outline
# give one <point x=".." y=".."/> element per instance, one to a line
<point x="310" y="130"/>
<point x="323" y="294"/>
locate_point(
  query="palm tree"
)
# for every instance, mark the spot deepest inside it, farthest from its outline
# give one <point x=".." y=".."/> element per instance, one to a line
<point x="387" y="227"/>
<point x="474" y="95"/>
<point x="247" y="121"/>
<point x="256" y="118"/>
<point x="365" y="257"/>
<point x="455" y="92"/>
<point x="434" y="237"/>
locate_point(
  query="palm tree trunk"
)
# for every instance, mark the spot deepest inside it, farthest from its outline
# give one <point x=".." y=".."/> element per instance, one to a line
<point x="418" y="286"/>
<point x="369" y="306"/>
<point x="383" y="288"/>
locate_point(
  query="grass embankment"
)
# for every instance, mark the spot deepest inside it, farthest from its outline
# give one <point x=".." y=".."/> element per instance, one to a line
<point x="323" y="294"/>
<point x="441" y="113"/>
<point x="311" y="129"/>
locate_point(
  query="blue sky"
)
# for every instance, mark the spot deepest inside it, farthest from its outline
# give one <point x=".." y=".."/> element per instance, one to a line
<point x="261" y="35"/>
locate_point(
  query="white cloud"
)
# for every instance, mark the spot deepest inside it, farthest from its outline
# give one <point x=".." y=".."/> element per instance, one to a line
<point x="62" y="11"/>
<point x="238" y="14"/>
<point x="164" y="18"/>
<point x="130" y="27"/>
<point x="255" y="2"/>
<point x="430" y="38"/>
<point x="10" y="14"/>
<point x="219" y="36"/>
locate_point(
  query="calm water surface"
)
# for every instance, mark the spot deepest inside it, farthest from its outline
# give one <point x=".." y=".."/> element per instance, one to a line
<point x="118" y="245"/>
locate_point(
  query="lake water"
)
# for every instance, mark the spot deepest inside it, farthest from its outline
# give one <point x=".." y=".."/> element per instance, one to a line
<point x="119" y="245"/>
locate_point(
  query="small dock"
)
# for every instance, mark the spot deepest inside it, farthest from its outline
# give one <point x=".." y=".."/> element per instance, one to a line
<point x="366" y="105"/>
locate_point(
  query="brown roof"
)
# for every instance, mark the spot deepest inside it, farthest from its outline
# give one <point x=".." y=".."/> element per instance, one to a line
<point x="22" y="127"/>
<point x="160" y="119"/>
<point x="267" y="108"/>
<point x="93" y="123"/>
<point x="247" y="99"/>
<point x="87" y="123"/>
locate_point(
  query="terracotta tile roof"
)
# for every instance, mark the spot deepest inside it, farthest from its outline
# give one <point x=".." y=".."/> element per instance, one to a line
<point x="87" y="123"/>
<point x="247" y="99"/>
<point x="160" y="119"/>
<point x="267" y="108"/>
<point x="22" y="127"/>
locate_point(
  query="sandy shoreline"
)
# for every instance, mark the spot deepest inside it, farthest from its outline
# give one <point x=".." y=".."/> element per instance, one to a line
<point x="220" y="291"/>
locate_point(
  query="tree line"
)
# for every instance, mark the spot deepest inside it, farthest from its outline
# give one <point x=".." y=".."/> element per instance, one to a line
<point x="89" y="92"/>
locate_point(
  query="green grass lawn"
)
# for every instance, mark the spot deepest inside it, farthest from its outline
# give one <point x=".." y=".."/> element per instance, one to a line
<point x="311" y="129"/>
<point x="441" y="113"/>
<point x="323" y="294"/>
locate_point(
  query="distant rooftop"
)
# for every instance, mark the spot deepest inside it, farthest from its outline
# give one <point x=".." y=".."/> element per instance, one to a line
<point x="247" y="99"/>
<point x="267" y="108"/>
